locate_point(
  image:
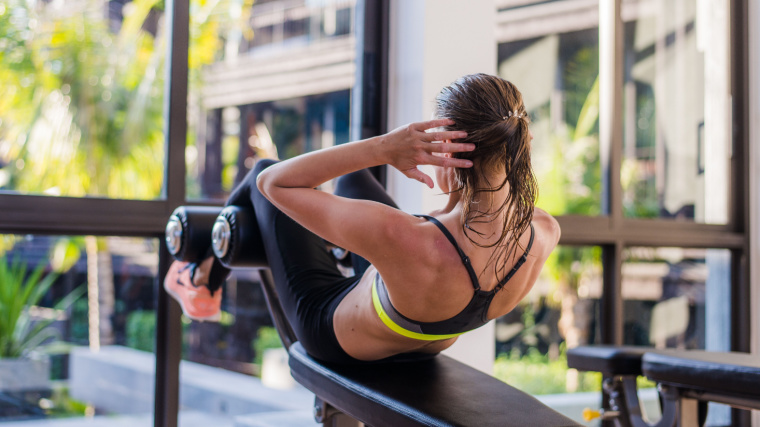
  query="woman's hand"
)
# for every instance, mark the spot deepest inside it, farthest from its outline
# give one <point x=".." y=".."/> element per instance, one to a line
<point x="410" y="146"/>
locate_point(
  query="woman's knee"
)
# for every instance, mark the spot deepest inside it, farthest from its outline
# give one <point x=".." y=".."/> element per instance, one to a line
<point x="241" y="195"/>
<point x="362" y="185"/>
<point x="355" y="183"/>
<point x="261" y="165"/>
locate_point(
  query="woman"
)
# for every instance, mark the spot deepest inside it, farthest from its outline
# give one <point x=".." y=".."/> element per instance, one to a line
<point x="429" y="278"/>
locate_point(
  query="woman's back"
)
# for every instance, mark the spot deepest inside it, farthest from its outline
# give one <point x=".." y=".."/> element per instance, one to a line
<point x="427" y="281"/>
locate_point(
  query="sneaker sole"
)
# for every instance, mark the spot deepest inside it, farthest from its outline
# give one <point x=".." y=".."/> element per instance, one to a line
<point x="213" y="318"/>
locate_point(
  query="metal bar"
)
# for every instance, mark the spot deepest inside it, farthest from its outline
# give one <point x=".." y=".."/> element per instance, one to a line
<point x="175" y="101"/>
<point x="69" y="215"/>
<point x="168" y="349"/>
<point x="168" y="327"/>
<point x="739" y="196"/>
<point x="370" y="92"/>
<point x="611" y="107"/>
<point x="582" y="230"/>
<point x="611" y="312"/>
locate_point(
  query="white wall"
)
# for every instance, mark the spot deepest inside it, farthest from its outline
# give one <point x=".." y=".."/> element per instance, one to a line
<point x="433" y="42"/>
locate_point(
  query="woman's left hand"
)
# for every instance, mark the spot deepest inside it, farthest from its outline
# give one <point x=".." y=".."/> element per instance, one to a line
<point x="410" y="146"/>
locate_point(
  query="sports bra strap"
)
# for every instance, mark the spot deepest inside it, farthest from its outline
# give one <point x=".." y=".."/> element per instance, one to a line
<point x="465" y="258"/>
<point x="519" y="263"/>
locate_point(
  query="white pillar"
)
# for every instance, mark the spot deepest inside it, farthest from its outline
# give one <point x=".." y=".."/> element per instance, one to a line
<point x="432" y="43"/>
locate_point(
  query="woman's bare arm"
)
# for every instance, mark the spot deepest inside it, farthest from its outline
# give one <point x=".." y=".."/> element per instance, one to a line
<point x="290" y="184"/>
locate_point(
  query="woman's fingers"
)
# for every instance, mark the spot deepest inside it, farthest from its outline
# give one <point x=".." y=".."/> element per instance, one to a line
<point x="443" y="136"/>
<point x="449" y="162"/>
<point x="454" y="147"/>
<point x="423" y="126"/>
<point x="418" y="175"/>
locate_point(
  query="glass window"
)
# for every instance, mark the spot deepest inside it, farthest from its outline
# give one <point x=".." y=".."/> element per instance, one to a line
<point x="81" y="343"/>
<point x="237" y="367"/>
<point x="560" y="312"/>
<point x="551" y="53"/>
<point x="82" y="98"/>
<point x="677" y="297"/>
<point x="267" y="80"/>
<point x="674" y="120"/>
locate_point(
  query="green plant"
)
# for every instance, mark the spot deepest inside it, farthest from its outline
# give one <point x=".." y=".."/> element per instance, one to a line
<point x="141" y="330"/>
<point x="536" y="373"/>
<point x="266" y="338"/>
<point x="19" y="332"/>
<point x="60" y="403"/>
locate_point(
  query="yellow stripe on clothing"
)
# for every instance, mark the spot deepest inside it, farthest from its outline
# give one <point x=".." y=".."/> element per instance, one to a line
<point x="398" y="329"/>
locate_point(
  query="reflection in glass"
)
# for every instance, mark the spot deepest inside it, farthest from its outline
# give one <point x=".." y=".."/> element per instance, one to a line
<point x="82" y="98"/>
<point x="560" y="312"/>
<point x="679" y="298"/>
<point x="675" y="153"/>
<point x="551" y="53"/>
<point x="90" y="329"/>
<point x="272" y="80"/>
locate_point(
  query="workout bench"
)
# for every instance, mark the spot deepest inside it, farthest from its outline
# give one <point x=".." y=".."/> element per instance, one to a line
<point x="436" y="392"/>
<point x="687" y="380"/>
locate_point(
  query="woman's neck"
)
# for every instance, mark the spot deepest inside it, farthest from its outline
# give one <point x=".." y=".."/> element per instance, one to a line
<point x="487" y="213"/>
<point x="487" y="203"/>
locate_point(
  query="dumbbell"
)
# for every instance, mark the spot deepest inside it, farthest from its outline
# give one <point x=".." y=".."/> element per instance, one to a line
<point x="236" y="239"/>
<point x="188" y="232"/>
<point x="232" y="233"/>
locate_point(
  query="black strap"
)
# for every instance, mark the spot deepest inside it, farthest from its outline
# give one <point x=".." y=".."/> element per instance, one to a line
<point x="519" y="263"/>
<point x="465" y="258"/>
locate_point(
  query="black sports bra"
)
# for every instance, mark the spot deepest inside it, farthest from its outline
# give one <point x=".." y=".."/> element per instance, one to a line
<point x="471" y="317"/>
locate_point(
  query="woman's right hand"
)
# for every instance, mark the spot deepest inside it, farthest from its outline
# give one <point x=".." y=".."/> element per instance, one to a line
<point x="410" y="146"/>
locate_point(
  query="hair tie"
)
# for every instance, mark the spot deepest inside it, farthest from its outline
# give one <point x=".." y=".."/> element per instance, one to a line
<point x="513" y="113"/>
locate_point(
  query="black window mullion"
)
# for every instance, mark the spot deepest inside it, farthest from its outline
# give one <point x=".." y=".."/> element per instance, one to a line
<point x="611" y="310"/>
<point x="369" y="96"/>
<point x="33" y="214"/>
<point x="168" y="326"/>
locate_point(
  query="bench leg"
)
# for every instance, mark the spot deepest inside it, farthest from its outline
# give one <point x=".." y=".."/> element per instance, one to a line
<point x="688" y="412"/>
<point x="329" y="416"/>
<point x="625" y="408"/>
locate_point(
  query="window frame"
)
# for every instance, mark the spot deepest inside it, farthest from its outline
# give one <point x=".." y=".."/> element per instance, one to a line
<point x="39" y="214"/>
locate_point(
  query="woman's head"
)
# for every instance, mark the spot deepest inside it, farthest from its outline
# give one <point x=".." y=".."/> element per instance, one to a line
<point x="491" y="111"/>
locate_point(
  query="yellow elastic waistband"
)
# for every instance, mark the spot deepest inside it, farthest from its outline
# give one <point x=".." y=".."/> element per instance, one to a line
<point x="398" y="329"/>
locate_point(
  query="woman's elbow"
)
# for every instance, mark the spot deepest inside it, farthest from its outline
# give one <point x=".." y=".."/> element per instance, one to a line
<point x="264" y="182"/>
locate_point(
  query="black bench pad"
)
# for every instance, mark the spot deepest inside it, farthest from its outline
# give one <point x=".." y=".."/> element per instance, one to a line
<point x="725" y="373"/>
<point x="436" y="392"/>
<point x="609" y="360"/>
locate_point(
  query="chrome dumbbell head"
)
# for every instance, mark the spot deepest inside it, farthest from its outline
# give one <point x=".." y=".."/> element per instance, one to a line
<point x="236" y="239"/>
<point x="220" y="237"/>
<point x="188" y="232"/>
<point x="174" y="235"/>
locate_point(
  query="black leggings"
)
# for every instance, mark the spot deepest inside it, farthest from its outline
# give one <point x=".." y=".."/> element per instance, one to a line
<point x="308" y="282"/>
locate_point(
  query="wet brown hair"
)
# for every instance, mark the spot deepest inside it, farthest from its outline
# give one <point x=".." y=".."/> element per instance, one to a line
<point x="491" y="111"/>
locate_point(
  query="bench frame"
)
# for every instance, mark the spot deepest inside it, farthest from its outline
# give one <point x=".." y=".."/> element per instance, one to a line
<point x="682" y="404"/>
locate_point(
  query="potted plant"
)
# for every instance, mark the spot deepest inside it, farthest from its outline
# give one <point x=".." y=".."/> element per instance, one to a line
<point x="24" y="364"/>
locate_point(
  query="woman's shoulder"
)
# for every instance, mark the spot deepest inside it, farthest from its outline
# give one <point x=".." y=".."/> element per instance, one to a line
<point x="547" y="231"/>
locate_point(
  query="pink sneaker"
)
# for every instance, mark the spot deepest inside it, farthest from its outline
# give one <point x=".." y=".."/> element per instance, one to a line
<point x="197" y="302"/>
